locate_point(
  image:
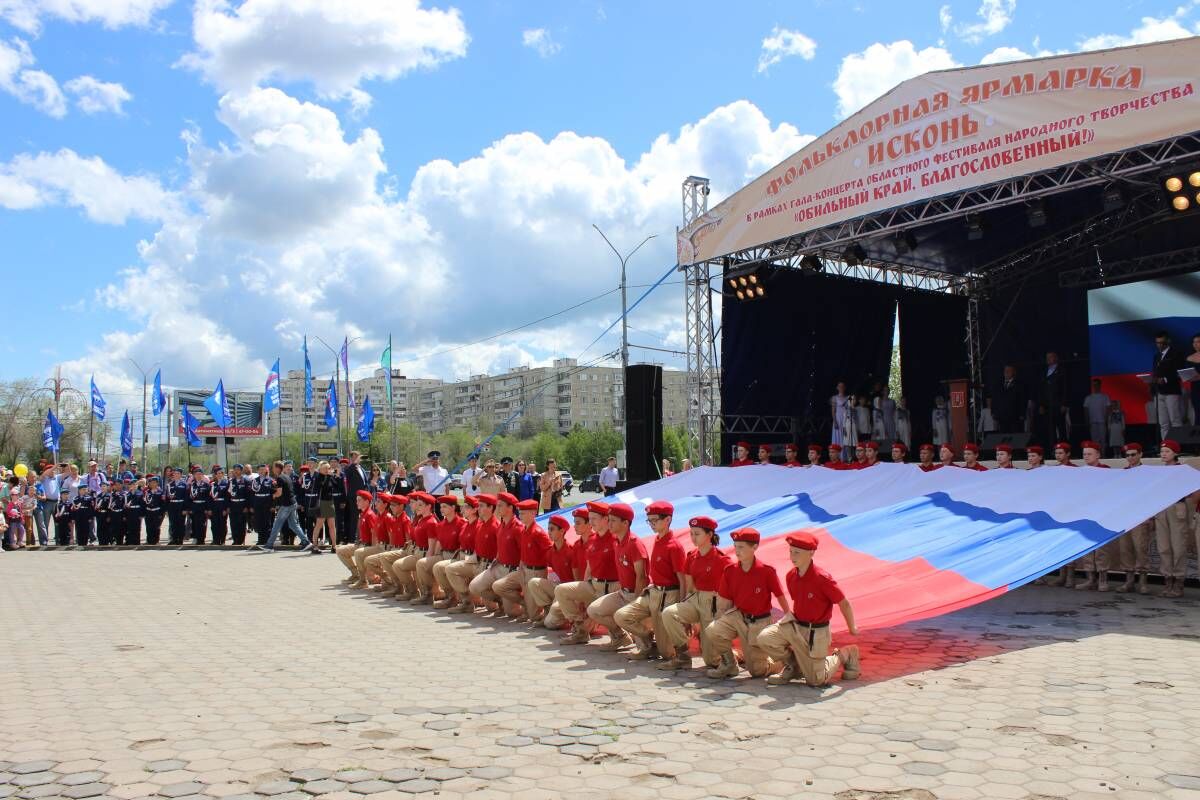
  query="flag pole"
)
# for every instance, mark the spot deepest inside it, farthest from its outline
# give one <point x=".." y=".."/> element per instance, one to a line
<point x="337" y="379"/>
<point x="279" y="411"/>
<point x="188" y="440"/>
<point x="391" y="400"/>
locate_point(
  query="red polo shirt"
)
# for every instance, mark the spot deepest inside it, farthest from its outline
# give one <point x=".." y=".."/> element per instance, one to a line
<point x="485" y="539"/>
<point x="666" y="559"/>
<point x="835" y="464"/>
<point x="602" y="556"/>
<point x="449" y="532"/>
<point x="397" y="529"/>
<point x="508" y="542"/>
<point x="741" y="462"/>
<point x="706" y="570"/>
<point x="425" y="529"/>
<point x="579" y="557"/>
<point x="563" y="561"/>
<point x="814" y="594"/>
<point x="535" y="546"/>
<point x="751" y="590"/>
<point x="929" y="467"/>
<point x="629" y="552"/>
<point x="977" y="467"/>
<point x="466" y="540"/>
<point x="368" y="522"/>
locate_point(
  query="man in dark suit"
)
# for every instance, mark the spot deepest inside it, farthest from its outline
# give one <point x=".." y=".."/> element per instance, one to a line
<point x="356" y="480"/>
<point x="1009" y="404"/>
<point x="1052" y="403"/>
<point x="1165" y="385"/>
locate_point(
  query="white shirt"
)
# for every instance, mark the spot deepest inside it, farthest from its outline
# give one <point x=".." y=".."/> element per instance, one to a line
<point x="609" y="477"/>
<point x="433" y="478"/>
<point x="468" y="479"/>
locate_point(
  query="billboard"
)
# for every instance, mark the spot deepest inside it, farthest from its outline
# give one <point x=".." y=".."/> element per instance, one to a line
<point x="246" y="408"/>
<point x="948" y="131"/>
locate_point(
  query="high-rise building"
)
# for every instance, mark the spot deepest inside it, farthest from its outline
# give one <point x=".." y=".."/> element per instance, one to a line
<point x="291" y="400"/>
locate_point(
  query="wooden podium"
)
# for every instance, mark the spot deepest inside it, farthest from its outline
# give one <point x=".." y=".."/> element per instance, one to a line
<point x="958" y="401"/>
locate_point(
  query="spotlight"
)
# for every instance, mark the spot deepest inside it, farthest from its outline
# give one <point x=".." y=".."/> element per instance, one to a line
<point x="733" y="283"/>
<point x="905" y="242"/>
<point x="1180" y="203"/>
<point x="1035" y="213"/>
<point x="1181" y="185"/>
<point x="854" y="255"/>
<point x="754" y="279"/>
<point x="1112" y="198"/>
<point x="747" y="282"/>
<point x="1194" y="179"/>
<point x="741" y="295"/>
<point x="742" y="280"/>
<point x="974" y="227"/>
<point x="811" y="264"/>
<point x="1174" y="183"/>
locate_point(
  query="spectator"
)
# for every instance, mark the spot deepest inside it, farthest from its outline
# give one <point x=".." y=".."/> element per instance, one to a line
<point x="1116" y="427"/>
<point x="48" y="490"/>
<point x="398" y="480"/>
<point x="325" y="526"/>
<point x="14" y="533"/>
<point x="1193" y="361"/>
<point x="526" y="485"/>
<point x="469" y="475"/>
<point x="609" y="477"/>
<point x="550" y="486"/>
<point x="69" y="486"/>
<point x="1009" y="403"/>
<point x="1165" y="388"/>
<point x="841" y="415"/>
<point x="1096" y="407"/>
<point x="666" y="468"/>
<point x="1052" y="402"/>
<point x="685" y="465"/>
<point x="940" y="420"/>
<point x="95" y="478"/>
<point x="487" y="481"/>
<point x="376" y="483"/>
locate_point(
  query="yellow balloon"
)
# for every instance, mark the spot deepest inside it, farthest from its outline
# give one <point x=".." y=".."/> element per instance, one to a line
<point x="20" y="470"/>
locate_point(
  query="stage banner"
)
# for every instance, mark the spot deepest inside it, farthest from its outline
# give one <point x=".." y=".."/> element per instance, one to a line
<point x="949" y="131"/>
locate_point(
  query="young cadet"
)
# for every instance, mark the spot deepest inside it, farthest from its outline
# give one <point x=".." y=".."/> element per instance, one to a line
<point x="665" y="573"/>
<point x="1035" y="456"/>
<point x="431" y="570"/>
<point x="475" y="576"/>
<point x="534" y="558"/>
<point x="396" y="528"/>
<point x="702" y="571"/>
<point x="764" y="454"/>
<point x="424" y="529"/>
<point x="1062" y="455"/>
<point x="871" y="454"/>
<point x="135" y="511"/>
<point x="631" y="575"/>
<point x="199" y="505"/>
<point x="971" y="458"/>
<point x="118" y="499"/>
<point x="801" y="639"/>
<point x="176" y="491"/>
<point x="219" y="502"/>
<point x="564" y="567"/>
<point x="1004" y="456"/>
<point x="155" y="504"/>
<point x="1172" y="528"/>
<point x="814" y="455"/>
<point x="899" y="452"/>
<point x="744" y="608"/>
<point x="83" y="513"/>
<point x="62" y="523"/>
<point x="508" y="549"/>
<point x="1132" y="548"/>
<point x="239" y="505"/>
<point x="599" y="574"/>
<point x="946" y="454"/>
<point x="790" y="453"/>
<point x="374" y="533"/>
<point x="743" y="456"/>
<point x="926" y="455"/>
<point x="835" y="458"/>
<point x="1095" y="564"/>
<point x="346" y="552"/>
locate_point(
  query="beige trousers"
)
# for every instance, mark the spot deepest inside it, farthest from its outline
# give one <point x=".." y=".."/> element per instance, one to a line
<point x="512" y="587"/>
<point x="1095" y="561"/>
<point x="807" y="649"/>
<point x="540" y="593"/>
<point x="345" y="553"/>
<point x="574" y="597"/>
<point x="361" y="555"/>
<point x="1131" y="550"/>
<point x="425" y="570"/>
<point x="633" y="617"/>
<point x="733" y="625"/>
<point x="677" y="619"/>
<point x="382" y="563"/>
<point x="405" y="570"/>
<point x="603" y="609"/>
<point x="482" y="583"/>
<point x="460" y="574"/>
<point x="1172" y="531"/>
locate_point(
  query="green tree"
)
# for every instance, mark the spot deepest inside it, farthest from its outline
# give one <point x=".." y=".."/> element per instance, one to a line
<point x="586" y="450"/>
<point x="675" y="445"/>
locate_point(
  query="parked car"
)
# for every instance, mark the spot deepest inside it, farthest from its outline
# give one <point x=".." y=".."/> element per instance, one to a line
<point x="567" y="482"/>
<point x="591" y="483"/>
<point x="456" y="480"/>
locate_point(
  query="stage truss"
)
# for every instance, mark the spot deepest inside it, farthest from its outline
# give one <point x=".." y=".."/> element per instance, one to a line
<point x="703" y="374"/>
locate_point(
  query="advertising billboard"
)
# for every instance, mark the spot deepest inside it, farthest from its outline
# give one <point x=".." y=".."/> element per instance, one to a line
<point x="246" y="408"/>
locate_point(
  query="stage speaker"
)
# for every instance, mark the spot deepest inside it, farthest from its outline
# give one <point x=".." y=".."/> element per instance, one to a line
<point x="643" y="422"/>
<point x="1018" y="441"/>
<point x="1188" y="436"/>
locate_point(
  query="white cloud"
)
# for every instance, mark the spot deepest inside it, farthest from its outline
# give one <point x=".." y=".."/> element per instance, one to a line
<point x="540" y="41"/>
<point x="945" y="18"/>
<point x="862" y="77"/>
<point x="994" y="17"/>
<point x="333" y="45"/>
<point x="782" y="44"/>
<point x="66" y="178"/>
<point x="95" y="97"/>
<point x="27" y="15"/>
<point x="1151" y="29"/>
<point x="30" y="86"/>
<point x="1004" y="54"/>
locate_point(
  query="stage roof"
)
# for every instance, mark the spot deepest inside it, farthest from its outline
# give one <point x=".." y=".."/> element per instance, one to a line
<point x="1000" y="142"/>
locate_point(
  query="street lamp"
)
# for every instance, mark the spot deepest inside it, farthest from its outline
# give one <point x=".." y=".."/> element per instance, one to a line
<point x="136" y="366"/>
<point x="624" y="325"/>
<point x="337" y="378"/>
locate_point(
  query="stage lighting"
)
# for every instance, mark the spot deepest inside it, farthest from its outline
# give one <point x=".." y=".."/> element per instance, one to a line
<point x="854" y="255"/>
<point x="1180" y="185"/>
<point x="1181" y="203"/>
<point x="974" y="227"/>
<point x="1194" y="179"/>
<point x="1112" y="198"/>
<point x="905" y="242"/>
<point x="811" y="264"/>
<point x="746" y="283"/>
<point x="1035" y="213"/>
<point x="1174" y="183"/>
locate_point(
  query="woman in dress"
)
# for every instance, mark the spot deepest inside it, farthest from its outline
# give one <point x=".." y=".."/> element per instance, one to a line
<point x="862" y="417"/>
<point x="840" y="416"/>
<point x="1193" y="361"/>
<point x="940" y="419"/>
<point x="903" y="423"/>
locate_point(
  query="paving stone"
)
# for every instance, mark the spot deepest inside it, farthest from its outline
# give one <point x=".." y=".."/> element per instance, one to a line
<point x="446" y="710"/>
<point x="29" y="767"/>
<point x="348" y="719"/>
<point x="410" y="711"/>
<point x="166" y="765"/>
<point x="556" y="740"/>
<point x="653" y="730"/>
<point x="311" y="774"/>
<point x="491" y="773"/>
<point x="181" y="789"/>
<point x="536" y="733"/>
<point x="80" y="778"/>
<point x="441" y="725"/>
<point x="923" y="768"/>
<point x="935" y="744"/>
<point x="574" y="730"/>
<point x="668" y="720"/>
<point x="8" y="790"/>
<point x="45" y="790"/>
<point x="35" y="779"/>
<point x="370" y="787"/>
<point x="595" y="739"/>
<point x="1183" y="781"/>
<point x="324" y="786"/>
<point x="398" y="775"/>
<point x="444" y="773"/>
<point x="578" y="750"/>
<point x="355" y="775"/>
<point x="274" y="788"/>
<point x="417" y="786"/>
<point x="515" y="741"/>
<point x="88" y="790"/>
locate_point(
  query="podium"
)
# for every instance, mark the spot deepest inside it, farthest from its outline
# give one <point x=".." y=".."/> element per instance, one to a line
<point x="958" y="401"/>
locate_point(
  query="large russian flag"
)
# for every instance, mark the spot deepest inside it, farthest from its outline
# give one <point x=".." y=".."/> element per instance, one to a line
<point x="906" y="544"/>
<point x="1122" y="321"/>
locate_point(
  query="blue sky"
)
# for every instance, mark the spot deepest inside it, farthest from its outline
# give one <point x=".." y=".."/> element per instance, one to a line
<point x="201" y="183"/>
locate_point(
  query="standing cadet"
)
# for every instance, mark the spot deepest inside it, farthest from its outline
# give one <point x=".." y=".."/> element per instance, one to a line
<point x="424" y="529"/>
<point x="466" y="526"/>
<point x="971" y="458"/>
<point x="508" y="549"/>
<point x="200" y="505"/>
<point x="442" y="547"/>
<point x="1035" y="456"/>
<point x="155" y="504"/>
<point x="926" y="455"/>
<point x="600" y="575"/>
<point x="219" y="503"/>
<point x="702" y="571"/>
<point x="631" y="575"/>
<point x="1172" y="529"/>
<point x="175" y="496"/>
<point x="564" y="566"/>
<point x="239" y="495"/>
<point x="1132" y="548"/>
<point x="665" y="574"/>
<point x="262" y="488"/>
<point x="744" y="608"/>
<point x="1004" y="456"/>
<point x="1094" y="564"/>
<point x="83" y="512"/>
<point x="309" y="501"/>
<point x="801" y="639"/>
<point x="474" y="576"/>
<point x="62" y="522"/>
<point x="117" y="500"/>
<point x="135" y="510"/>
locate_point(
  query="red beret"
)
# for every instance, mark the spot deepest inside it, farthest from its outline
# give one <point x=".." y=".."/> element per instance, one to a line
<point x="448" y="499"/>
<point x="744" y="444"/>
<point x="384" y="496"/>
<point x="661" y="508"/>
<point x="364" y="494"/>
<point x="815" y="447"/>
<point x="872" y="445"/>
<point x="304" y="467"/>
<point x="746" y="535"/>
<point x="1133" y="446"/>
<point x="527" y="505"/>
<point x="621" y="511"/>
<point x="791" y="447"/>
<point x="1063" y="446"/>
<point x="764" y="447"/>
<point x="901" y="446"/>
<point x="1035" y="448"/>
<point x="594" y="507"/>
<point x="1172" y="445"/>
<point x="471" y="501"/>
<point x="1004" y="448"/>
<point x="927" y="448"/>
<point x="580" y="512"/>
<point x="344" y="461"/>
<point x="835" y="448"/>
<point x="560" y="522"/>
<point x="971" y="447"/>
<point x="1089" y="443"/>
<point x="397" y="500"/>
<point x="708" y="523"/>
<point x="487" y="499"/>
<point x="424" y="497"/>
<point x="505" y="497"/>
<point x="802" y="539"/>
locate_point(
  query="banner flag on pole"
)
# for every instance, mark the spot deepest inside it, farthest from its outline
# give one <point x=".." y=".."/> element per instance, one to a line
<point x="126" y="437"/>
<point x="52" y="431"/>
<point x="271" y="392"/>
<point x="385" y="361"/>
<point x="158" y="400"/>
<point x="98" y="405"/>
<point x="308" y="390"/>
<point x="331" y="405"/>
<point x="189" y="424"/>
<point x="366" y="422"/>
<point x="346" y="371"/>
<point x="218" y="405"/>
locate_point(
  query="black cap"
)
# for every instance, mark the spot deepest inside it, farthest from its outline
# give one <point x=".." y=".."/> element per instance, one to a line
<point x="434" y="454"/>
<point x="506" y="460"/>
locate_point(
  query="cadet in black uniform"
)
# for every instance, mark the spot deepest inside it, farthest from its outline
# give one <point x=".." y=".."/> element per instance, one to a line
<point x="135" y="510"/>
<point x="177" y="506"/>
<point x="239" y="501"/>
<point x="118" y="499"/>
<point x="199" y="506"/>
<point x="309" y="500"/>
<point x="83" y="511"/>
<point x="104" y="516"/>
<point x="339" y="504"/>
<point x="62" y="523"/>
<point x="219" y="494"/>
<point x="263" y="487"/>
<point x="155" y="506"/>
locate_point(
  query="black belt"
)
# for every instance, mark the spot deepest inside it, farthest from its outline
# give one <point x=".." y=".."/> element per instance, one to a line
<point x="465" y="552"/>
<point x="674" y="588"/>
<point x="811" y="624"/>
<point x="535" y="566"/>
<point x="755" y="617"/>
<point x="510" y="566"/>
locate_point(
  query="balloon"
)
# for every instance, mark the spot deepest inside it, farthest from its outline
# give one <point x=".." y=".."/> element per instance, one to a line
<point x="20" y="470"/>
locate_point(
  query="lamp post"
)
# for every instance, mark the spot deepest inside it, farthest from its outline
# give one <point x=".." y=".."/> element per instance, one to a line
<point x="337" y="379"/>
<point x="136" y="366"/>
<point x="624" y="259"/>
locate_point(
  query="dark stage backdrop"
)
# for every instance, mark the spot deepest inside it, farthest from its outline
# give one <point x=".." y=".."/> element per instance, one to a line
<point x="782" y="355"/>
<point x="932" y="349"/>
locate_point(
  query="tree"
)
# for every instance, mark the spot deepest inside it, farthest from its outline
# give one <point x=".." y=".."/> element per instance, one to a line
<point x="586" y="450"/>
<point x="675" y="445"/>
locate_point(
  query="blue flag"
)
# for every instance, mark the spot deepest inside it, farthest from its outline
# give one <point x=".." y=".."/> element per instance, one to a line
<point x="158" y="400"/>
<point x="126" y="437"/>
<point x="366" y="421"/>
<point x="346" y="370"/>
<point x="218" y="405"/>
<point x="308" y="392"/>
<point x="52" y="431"/>
<point x="271" y="393"/>
<point x="189" y="424"/>
<point x="98" y="404"/>
<point x="331" y="404"/>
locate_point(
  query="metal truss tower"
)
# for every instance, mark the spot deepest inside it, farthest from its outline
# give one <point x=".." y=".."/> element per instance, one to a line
<point x="703" y="375"/>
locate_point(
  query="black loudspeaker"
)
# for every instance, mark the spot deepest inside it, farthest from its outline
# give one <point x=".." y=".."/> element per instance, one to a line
<point x="1188" y="436"/>
<point x="1018" y="441"/>
<point x="643" y="423"/>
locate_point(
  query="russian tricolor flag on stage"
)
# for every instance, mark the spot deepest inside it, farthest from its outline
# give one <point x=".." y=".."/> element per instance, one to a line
<point x="1122" y="321"/>
<point x="905" y="544"/>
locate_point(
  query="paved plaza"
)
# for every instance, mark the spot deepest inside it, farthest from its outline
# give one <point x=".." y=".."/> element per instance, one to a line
<point x="222" y="674"/>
